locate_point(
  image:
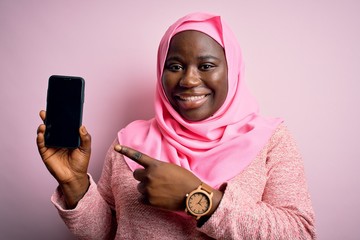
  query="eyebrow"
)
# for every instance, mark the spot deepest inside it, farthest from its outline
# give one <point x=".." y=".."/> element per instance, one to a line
<point x="202" y="58"/>
<point x="173" y="58"/>
<point x="208" y="57"/>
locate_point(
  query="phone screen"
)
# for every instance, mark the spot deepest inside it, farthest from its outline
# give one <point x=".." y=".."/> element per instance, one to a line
<point x="65" y="97"/>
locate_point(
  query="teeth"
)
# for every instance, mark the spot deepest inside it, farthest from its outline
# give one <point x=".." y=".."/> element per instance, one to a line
<point x="191" y="98"/>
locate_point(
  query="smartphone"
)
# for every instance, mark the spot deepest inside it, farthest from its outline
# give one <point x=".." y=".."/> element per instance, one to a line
<point x="64" y="110"/>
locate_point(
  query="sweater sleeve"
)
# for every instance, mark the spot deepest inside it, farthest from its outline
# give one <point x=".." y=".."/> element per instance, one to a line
<point x="93" y="217"/>
<point x="283" y="208"/>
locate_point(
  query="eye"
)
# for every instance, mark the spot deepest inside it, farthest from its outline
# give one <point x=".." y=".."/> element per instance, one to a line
<point x="206" y="66"/>
<point x="174" y="67"/>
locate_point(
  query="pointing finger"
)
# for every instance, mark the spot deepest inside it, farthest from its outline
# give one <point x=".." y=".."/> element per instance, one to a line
<point x="135" y="155"/>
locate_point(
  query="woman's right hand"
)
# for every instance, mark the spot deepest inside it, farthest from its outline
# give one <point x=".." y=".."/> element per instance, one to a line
<point x="68" y="166"/>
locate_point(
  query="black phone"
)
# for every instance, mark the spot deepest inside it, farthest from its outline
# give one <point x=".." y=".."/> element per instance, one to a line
<point x="64" y="110"/>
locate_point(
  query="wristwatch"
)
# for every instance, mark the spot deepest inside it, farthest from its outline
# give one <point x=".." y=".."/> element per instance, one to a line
<point x="199" y="201"/>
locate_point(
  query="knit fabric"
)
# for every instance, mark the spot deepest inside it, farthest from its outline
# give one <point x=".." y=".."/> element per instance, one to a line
<point x="268" y="200"/>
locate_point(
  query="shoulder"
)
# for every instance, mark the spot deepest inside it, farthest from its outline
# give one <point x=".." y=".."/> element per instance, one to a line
<point x="282" y="145"/>
<point x="281" y="135"/>
<point x="281" y="130"/>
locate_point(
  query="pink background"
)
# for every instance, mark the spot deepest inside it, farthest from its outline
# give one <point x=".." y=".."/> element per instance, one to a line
<point x="302" y="63"/>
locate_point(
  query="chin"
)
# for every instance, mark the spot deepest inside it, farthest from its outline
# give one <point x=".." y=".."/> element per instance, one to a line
<point x="194" y="117"/>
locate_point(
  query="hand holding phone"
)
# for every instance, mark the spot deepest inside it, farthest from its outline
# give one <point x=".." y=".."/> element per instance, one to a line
<point x="64" y="146"/>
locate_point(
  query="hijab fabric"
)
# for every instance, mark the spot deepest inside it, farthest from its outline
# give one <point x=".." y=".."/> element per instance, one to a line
<point x="215" y="149"/>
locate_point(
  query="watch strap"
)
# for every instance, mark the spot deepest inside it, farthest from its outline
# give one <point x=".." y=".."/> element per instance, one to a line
<point x="206" y="188"/>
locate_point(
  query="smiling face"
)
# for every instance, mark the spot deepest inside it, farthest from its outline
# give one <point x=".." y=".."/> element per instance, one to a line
<point x="195" y="75"/>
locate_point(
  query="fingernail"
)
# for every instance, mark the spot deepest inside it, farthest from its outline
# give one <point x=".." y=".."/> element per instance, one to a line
<point x="117" y="148"/>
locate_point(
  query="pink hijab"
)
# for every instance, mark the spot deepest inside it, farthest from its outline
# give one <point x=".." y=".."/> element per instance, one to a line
<point x="215" y="149"/>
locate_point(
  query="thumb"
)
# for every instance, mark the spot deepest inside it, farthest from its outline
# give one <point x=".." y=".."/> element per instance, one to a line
<point x="85" y="140"/>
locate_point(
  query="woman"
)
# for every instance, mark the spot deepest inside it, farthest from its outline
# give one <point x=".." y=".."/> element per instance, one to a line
<point x="207" y="166"/>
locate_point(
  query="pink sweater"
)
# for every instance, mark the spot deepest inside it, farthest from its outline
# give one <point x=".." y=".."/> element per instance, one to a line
<point x="268" y="200"/>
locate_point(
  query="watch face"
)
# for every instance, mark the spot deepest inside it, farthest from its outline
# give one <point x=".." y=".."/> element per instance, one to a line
<point x="198" y="203"/>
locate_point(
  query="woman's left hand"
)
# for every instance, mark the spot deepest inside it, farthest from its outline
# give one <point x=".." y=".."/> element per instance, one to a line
<point x="162" y="185"/>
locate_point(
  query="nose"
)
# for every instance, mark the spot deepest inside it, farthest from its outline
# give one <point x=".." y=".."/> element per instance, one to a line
<point x="191" y="78"/>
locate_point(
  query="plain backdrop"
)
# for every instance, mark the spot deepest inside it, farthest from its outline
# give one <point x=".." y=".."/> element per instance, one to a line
<point x="302" y="63"/>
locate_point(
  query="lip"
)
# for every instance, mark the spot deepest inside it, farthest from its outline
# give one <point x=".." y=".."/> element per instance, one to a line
<point x="191" y="101"/>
